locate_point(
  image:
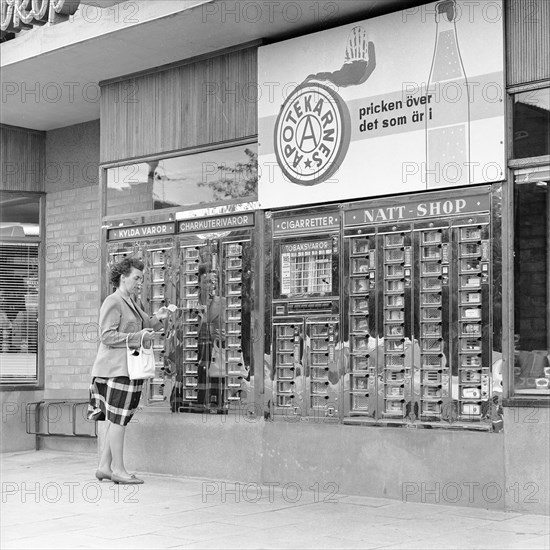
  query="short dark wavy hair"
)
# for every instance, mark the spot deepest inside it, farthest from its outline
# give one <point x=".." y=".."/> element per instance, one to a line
<point x="124" y="267"/>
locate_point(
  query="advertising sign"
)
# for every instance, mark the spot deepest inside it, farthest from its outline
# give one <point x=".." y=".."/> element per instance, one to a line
<point x="306" y="223"/>
<point x="418" y="207"/>
<point x="409" y="101"/>
<point x="223" y="222"/>
<point x="141" y="231"/>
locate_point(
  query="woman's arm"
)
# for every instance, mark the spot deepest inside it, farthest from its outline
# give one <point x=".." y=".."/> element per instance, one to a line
<point x="155" y="321"/>
<point x="110" y="319"/>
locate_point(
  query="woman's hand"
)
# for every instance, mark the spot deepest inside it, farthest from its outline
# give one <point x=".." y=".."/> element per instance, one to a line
<point x="146" y="334"/>
<point x="162" y="313"/>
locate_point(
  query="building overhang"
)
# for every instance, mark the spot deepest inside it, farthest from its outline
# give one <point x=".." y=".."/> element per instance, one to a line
<point x="50" y="75"/>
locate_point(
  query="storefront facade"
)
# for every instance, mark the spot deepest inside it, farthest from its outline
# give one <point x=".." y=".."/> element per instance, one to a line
<point x="335" y="216"/>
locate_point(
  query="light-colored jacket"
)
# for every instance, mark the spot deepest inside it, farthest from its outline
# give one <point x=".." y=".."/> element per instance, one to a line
<point x="118" y="318"/>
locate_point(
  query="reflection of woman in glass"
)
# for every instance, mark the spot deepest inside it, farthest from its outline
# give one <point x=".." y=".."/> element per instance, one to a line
<point x="211" y="341"/>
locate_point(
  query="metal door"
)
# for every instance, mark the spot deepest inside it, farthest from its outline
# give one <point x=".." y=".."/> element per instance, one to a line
<point x="322" y="366"/>
<point x="306" y="362"/>
<point x="288" y="362"/>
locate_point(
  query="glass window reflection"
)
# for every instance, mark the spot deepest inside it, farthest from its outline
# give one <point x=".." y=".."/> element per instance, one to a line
<point x="532" y="123"/>
<point x="531" y="311"/>
<point x="213" y="176"/>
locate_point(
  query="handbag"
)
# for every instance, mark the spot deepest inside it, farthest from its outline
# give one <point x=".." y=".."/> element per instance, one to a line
<point x="216" y="369"/>
<point x="141" y="361"/>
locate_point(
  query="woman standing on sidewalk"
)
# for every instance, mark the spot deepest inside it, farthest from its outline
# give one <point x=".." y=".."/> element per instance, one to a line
<point x="113" y="396"/>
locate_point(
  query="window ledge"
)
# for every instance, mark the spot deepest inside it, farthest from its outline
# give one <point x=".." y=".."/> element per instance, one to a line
<point x="4" y="387"/>
<point x="528" y="162"/>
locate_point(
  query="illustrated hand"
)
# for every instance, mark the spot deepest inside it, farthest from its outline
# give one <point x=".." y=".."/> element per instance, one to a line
<point x="359" y="62"/>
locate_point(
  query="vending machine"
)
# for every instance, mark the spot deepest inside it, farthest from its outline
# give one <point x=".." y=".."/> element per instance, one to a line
<point x="418" y="292"/>
<point x="303" y="309"/>
<point x="215" y="295"/>
<point x="154" y="245"/>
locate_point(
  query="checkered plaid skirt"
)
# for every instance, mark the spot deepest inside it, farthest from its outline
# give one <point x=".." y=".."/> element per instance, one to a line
<point x="115" y="399"/>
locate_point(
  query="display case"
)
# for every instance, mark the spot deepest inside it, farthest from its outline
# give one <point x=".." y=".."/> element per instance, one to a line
<point x="395" y="289"/>
<point x="304" y="308"/>
<point x="362" y="393"/>
<point x="433" y="326"/>
<point x="418" y="297"/>
<point x="474" y="371"/>
<point x="187" y="382"/>
<point x="215" y="320"/>
<point x="157" y="290"/>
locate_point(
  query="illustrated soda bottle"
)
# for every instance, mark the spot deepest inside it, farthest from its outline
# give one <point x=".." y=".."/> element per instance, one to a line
<point x="447" y="114"/>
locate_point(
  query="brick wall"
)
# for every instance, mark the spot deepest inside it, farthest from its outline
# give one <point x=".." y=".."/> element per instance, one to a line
<point x="72" y="259"/>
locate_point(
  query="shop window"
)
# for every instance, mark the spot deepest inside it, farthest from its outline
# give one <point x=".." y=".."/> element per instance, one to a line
<point x="19" y="288"/>
<point x="532" y="123"/>
<point x="215" y="176"/>
<point x="532" y="282"/>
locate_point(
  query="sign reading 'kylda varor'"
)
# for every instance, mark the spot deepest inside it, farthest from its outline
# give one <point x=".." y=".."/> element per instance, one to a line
<point x="141" y="231"/>
<point x="16" y="15"/>
<point x="398" y="103"/>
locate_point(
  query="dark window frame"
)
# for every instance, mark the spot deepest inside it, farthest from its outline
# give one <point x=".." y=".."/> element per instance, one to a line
<point x="518" y="167"/>
<point x="36" y="384"/>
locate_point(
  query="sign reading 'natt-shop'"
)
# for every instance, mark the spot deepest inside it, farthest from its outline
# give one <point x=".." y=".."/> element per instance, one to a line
<point x="410" y="208"/>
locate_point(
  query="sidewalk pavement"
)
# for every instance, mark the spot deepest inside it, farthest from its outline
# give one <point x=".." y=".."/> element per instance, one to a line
<point x="52" y="500"/>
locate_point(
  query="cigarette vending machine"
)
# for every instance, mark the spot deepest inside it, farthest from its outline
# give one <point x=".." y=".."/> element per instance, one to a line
<point x="215" y="319"/>
<point x="304" y="311"/>
<point x="419" y="325"/>
<point x="154" y="245"/>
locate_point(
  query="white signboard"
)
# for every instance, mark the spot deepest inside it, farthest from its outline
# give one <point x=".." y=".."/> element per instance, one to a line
<point x="408" y="101"/>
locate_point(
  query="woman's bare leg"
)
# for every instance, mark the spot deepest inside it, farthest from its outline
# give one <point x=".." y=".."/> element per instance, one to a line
<point x="106" y="455"/>
<point x="116" y="440"/>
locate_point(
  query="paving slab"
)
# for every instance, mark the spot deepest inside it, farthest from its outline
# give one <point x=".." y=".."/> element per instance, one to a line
<point x="52" y="500"/>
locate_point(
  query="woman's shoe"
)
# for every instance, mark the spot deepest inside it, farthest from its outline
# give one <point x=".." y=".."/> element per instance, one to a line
<point x="133" y="480"/>
<point x="101" y="475"/>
